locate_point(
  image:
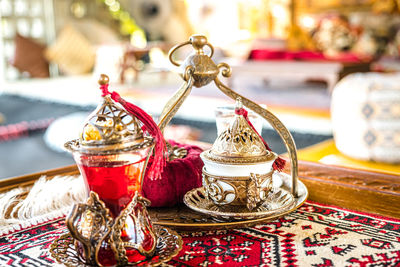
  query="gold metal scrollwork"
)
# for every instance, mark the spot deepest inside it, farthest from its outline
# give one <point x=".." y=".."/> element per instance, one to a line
<point x="91" y="224"/>
<point x="100" y="227"/>
<point x="225" y="69"/>
<point x="216" y="192"/>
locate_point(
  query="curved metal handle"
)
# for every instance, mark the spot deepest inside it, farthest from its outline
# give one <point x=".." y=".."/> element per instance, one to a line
<point x="176" y="101"/>
<point x="172" y="51"/>
<point x="275" y="123"/>
<point x="211" y="49"/>
<point x="197" y="41"/>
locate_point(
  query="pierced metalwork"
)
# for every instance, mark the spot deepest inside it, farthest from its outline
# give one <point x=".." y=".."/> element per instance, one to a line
<point x="91" y="226"/>
<point x="258" y="189"/>
<point x="176" y="152"/>
<point x="110" y="124"/>
<point x="239" y="144"/>
<point x="110" y="128"/>
<point x="140" y="217"/>
<point x="183" y="218"/>
<point x="248" y="191"/>
<point x="169" y="244"/>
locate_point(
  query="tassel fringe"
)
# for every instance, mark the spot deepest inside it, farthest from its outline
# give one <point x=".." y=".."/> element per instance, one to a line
<point x="160" y="148"/>
<point x="45" y="200"/>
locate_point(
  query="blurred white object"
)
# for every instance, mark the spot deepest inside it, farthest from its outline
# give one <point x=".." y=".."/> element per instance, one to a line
<point x="366" y="116"/>
<point x="64" y="129"/>
<point x="108" y="60"/>
<point x="161" y="19"/>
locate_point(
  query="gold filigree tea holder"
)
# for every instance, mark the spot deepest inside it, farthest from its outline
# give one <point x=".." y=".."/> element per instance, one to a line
<point x="82" y="245"/>
<point x="250" y="190"/>
<point x="113" y="227"/>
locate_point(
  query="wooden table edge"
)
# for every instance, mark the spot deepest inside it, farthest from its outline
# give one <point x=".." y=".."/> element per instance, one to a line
<point x="353" y="189"/>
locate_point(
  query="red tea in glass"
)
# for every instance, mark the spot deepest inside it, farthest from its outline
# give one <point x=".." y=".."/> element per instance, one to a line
<point x="116" y="178"/>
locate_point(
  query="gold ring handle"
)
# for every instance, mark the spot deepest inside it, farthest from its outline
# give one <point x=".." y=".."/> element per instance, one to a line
<point x="197" y="41"/>
<point x="172" y="51"/>
<point x="211" y="48"/>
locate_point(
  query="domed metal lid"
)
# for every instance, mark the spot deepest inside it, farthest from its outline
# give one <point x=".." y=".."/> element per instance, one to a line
<point x="239" y="144"/>
<point x="110" y="128"/>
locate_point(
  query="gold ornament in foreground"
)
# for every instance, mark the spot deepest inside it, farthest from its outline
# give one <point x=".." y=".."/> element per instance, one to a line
<point x="91" y="226"/>
<point x="168" y="246"/>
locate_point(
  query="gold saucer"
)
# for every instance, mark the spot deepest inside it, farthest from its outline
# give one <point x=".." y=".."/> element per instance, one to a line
<point x="182" y="218"/>
<point x="278" y="201"/>
<point x="168" y="246"/>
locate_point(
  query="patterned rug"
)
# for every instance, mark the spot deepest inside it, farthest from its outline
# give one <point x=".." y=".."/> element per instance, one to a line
<point x="315" y="235"/>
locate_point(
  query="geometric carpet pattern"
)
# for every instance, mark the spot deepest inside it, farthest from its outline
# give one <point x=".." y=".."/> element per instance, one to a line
<point x="314" y="235"/>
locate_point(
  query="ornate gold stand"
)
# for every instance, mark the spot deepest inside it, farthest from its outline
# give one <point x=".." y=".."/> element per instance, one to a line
<point x="245" y="190"/>
<point x="168" y="246"/>
<point x="92" y="226"/>
<point x="198" y="70"/>
<point x="93" y="230"/>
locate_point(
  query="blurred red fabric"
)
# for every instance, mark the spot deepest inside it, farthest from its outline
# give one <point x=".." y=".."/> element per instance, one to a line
<point x="178" y="177"/>
<point x="268" y="54"/>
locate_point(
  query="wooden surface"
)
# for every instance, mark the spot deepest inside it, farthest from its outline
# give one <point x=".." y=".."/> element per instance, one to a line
<point x="359" y="190"/>
<point x="353" y="189"/>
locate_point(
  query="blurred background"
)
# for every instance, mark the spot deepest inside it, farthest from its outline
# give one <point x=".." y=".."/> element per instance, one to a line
<point x="327" y="69"/>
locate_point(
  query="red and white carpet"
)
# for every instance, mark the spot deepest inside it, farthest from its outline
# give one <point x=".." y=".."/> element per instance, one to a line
<point x="314" y="235"/>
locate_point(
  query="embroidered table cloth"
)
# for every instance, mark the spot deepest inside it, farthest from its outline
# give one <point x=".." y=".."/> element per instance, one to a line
<point x="314" y="235"/>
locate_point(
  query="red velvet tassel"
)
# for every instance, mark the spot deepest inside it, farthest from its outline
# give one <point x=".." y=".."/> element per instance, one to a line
<point x="150" y="126"/>
<point x="279" y="163"/>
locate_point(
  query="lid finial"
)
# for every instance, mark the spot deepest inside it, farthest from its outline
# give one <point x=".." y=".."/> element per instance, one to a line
<point x="104" y="79"/>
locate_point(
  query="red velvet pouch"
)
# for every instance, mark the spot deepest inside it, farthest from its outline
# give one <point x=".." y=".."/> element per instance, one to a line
<point x="178" y="177"/>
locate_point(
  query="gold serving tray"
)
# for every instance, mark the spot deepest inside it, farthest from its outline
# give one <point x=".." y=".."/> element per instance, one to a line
<point x="182" y="218"/>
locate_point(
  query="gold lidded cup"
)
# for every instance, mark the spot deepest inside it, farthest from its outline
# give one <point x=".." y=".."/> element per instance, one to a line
<point x="238" y="168"/>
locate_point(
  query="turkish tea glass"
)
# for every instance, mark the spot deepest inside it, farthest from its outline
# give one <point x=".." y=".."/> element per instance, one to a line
<point x="116" y="178"/>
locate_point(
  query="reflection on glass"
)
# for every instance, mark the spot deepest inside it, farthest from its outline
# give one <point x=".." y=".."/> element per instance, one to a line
<point x="224" y="116"/>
